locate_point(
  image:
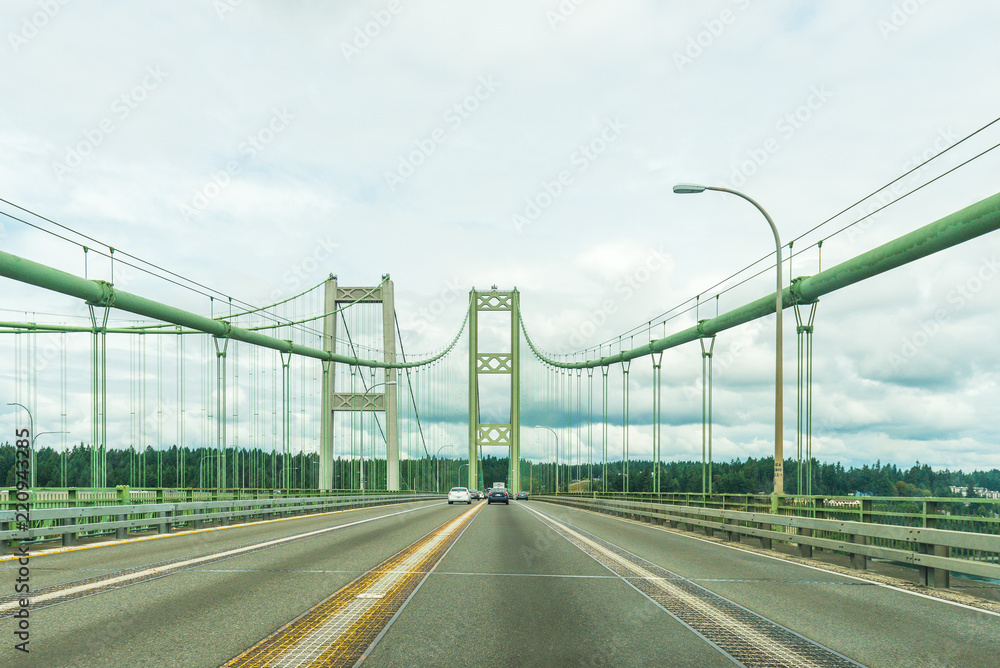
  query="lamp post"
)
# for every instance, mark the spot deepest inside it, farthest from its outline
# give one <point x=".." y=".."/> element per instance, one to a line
<point x="538" y="426"/>
<point x="458" y="481"/>
<point x="779" y="474"/>
<point x="200" y="471"/>
<point x="437" y="468"/>
<point x="363" y="395"/>
<point x="31" y="431"/>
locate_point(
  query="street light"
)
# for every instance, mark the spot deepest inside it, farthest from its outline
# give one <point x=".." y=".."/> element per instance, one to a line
<point x="291" y="470"/>
<point x="437" y="468"/>
<point x="538" y="426"/>
<point x="779" y="474"/>
<point x="31" y="430"/>
<point x="201" y="471"/>
<point x="363" y="395"/>
<point x="458" y="478"/>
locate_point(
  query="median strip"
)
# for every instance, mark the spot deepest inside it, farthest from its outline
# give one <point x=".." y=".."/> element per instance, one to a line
<point x="339" y="630"/>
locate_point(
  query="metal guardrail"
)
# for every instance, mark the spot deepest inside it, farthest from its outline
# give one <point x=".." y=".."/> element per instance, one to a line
<point x="936" y="552"/>
<point x="69" y="518"/>
<point x="61" y="497"/>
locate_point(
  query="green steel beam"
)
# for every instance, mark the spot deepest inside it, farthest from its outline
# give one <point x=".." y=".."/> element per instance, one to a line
<point x="971" y="222"/>
<point x="961" y="226"/>
<point x="103" y="294"/>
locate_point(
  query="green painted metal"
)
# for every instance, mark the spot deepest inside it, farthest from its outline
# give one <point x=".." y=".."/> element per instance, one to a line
<point x="706" y="413"/>
<point x="971" y="222"/>
<point x="507" y="433"/>
<point x="804" y="375"/>
<point x="103" y="294"/>
<point x="515" y="390"/>
<point x="473" y="386"/>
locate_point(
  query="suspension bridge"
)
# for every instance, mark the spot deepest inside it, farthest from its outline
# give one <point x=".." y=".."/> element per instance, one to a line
<point x="322" y="446"/>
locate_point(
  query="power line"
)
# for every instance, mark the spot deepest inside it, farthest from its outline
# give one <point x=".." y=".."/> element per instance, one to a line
<point x="111" y="257"/>
<point x="662" y="318"/>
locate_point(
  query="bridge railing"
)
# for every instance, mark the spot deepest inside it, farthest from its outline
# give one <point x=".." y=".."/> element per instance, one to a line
<point x="71" y="513"/>
<point x="936" y="535"/>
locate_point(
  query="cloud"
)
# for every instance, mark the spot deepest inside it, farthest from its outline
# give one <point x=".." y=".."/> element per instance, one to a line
<point x="776" y="96"/>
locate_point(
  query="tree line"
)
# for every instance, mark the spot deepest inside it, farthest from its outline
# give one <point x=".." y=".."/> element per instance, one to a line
<point x="750" y="476"/>
<point x="256" y="468"/>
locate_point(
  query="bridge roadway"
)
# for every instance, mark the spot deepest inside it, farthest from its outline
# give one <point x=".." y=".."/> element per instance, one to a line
<point x="517" y="585"/>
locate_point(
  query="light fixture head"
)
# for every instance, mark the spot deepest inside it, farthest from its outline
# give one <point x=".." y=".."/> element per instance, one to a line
<point x="687" y="188"/>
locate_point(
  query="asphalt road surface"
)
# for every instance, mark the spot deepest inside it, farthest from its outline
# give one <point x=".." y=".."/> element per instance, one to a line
<point x="529" y="584"/>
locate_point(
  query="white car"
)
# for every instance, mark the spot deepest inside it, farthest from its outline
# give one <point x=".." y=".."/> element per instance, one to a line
<point x="459" y="494"/>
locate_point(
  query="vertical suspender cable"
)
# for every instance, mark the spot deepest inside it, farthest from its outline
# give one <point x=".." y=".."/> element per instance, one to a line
<point x="63" y="482"/>
<point x="159" y="412"/>
<point x="706" y="415"/>
<point x="657" y="434"/>
<point x="142" y="409"/>
<point x="604" y="439"/>
<point x="590" y="428"/>
<point x="579" y="426"/>
<point x="180" y="472"/>
<point x="625" y="420"/>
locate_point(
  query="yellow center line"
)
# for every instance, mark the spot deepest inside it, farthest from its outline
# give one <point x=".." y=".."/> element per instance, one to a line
<point x="338" y="630"/>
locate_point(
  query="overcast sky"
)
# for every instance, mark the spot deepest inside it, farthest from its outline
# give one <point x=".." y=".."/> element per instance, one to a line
<point x="256" y="147"/>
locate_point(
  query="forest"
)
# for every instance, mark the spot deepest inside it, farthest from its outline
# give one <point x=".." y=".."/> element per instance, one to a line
<point x="191" y="468"/>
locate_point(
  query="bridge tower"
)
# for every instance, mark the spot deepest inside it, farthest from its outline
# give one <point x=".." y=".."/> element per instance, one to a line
<point x="490" y="363"/>
<point x="384" y="400"/>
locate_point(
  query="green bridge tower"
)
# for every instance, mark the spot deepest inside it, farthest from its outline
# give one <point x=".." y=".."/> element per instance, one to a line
<point x="490" y="363"/>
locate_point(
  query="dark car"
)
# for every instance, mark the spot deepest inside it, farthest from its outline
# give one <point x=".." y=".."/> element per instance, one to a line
<point x="498" y="496"/>
<point x="522" y="495"/>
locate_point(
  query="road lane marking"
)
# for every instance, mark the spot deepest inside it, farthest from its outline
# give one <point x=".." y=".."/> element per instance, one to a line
<point x="188" y="532"/>
<point x="69" y="591"/>
<point x="342" y="629"/>
<point x="742" y="635"/>
<point x="790" y="560"/>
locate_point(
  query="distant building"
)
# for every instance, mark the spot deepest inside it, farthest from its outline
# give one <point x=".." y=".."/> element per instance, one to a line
<point x="981" y="491"/>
